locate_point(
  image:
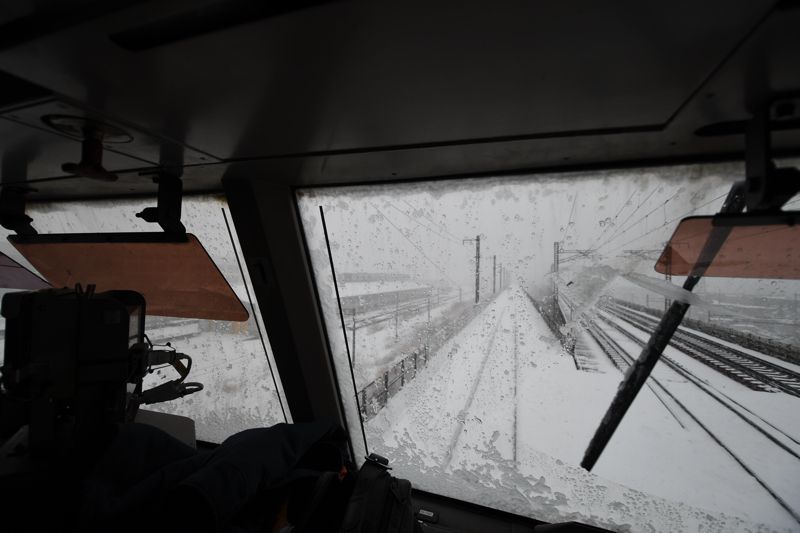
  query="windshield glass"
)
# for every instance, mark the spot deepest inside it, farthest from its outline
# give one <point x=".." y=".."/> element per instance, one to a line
<point x="489" y="322"/>
<point x="230" y="358"/>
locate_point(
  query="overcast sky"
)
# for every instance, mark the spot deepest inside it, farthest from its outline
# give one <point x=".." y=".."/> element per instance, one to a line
<point x="418" y="228"/>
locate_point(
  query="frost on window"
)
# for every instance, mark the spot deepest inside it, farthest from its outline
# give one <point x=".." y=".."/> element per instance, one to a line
<point x="489" y="322"/>
<point x="228" y="357"/>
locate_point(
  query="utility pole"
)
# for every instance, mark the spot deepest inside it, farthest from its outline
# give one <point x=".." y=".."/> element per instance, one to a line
<point x="396" y="312"/>
<point x="477" y="240"/>
<point x="501" y="276"/>
<point x="494" y="274"/>
<point x="354" y="336"/>
<point x="556" y="251"/>
<point x="429" y="308"/>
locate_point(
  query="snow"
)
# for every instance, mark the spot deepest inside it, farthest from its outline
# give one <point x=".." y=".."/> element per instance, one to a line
<point x="377" y="347"/>
<point x="666" y="289"/>
<point x="364" y="288"/>
<point x="502" y="402"/>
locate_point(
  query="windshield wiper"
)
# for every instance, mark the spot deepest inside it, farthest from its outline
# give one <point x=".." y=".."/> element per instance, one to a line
<point x="641" y="368"/>
<point x="764" y="191"/>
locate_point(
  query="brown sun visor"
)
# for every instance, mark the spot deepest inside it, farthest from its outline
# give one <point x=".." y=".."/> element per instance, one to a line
<point x="175" y="274"/>
<point x="756" y="247"/>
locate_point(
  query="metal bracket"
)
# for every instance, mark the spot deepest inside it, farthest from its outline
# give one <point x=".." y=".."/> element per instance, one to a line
<point x="167" y="212"/>
<point x="91" y="163"/>
<point x="767" y="188"/>
<point x="12" y="210"/>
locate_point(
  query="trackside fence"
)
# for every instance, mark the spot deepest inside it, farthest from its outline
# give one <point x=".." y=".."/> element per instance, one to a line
<point x="551" y="313"/>
<point x="375" y="395"/>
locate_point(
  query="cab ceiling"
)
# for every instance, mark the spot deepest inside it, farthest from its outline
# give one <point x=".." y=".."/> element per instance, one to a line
<point x="315" y="93"/>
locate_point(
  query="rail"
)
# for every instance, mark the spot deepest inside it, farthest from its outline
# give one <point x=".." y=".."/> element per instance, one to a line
<point x="751" y="371"/>
<point x="780" y="350"/>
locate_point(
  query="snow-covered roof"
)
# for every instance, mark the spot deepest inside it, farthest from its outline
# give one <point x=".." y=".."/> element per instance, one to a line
<point x="365" y="288"/>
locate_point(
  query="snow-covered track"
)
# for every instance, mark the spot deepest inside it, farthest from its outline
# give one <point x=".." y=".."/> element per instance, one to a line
<point x="751" y="371"/>
<point x="622" y="361"/>
<point x="729" y="404"/>
<point x="405" y="309"/>
<point x="472" y="393"/>
<point x="623" y="355"/>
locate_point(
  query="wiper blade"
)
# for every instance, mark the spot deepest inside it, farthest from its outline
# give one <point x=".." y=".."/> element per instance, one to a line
<point x="640" y="370"/>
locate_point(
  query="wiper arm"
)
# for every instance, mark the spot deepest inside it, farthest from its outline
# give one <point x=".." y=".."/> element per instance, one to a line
<point x="640" y="370"/>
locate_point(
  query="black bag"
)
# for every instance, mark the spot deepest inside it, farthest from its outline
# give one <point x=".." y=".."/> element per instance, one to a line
<point x="379" y="503"/>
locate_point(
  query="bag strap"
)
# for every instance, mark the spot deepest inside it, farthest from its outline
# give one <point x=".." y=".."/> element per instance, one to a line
<point x="364" y="497"/>
<point x="318" y="493"/>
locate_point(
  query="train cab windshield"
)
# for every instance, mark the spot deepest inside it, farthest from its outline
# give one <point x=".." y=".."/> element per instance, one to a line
<point x="482" y="368"/>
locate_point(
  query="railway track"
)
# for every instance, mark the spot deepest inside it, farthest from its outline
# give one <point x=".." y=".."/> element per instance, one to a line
<point x="751" y="371"/>
<point x="473" y="390"/>
<point x="723" y="399"/>
<point x="412" y="308"/>
<point x="622" y="356"/>
<point x="622" y="361"/>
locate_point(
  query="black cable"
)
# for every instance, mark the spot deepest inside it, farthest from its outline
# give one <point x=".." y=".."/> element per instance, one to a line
<point x="406" y="237"/>
<point x="415" y="221"/>
<point x="255" y="317"/>
<point x="622" y="225"/>
<point x="673" y="219"/>
<point x="569" y="221"/>
<point x="660" y="206"/>
<point x="438" y="225"/>
<point x="344" y="329"/>
<point x="614" y="220"/>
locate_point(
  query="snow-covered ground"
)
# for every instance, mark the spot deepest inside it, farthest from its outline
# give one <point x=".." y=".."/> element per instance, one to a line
<point x="501" y="417"/>
<point x="238" y="391"/>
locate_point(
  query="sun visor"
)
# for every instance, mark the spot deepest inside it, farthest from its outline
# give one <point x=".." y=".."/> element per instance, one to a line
<point x="15" y="276"/>
<point x="755" y="248"/>
<point x="176" y="275"/>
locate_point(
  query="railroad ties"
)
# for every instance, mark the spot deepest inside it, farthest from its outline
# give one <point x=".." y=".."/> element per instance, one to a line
<point x="749" y="370"/>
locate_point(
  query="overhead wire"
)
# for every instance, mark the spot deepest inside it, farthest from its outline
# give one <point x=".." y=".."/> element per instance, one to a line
<point x="618" y="228"/>
<point x="571" y="213"/>
<point x="619" y="212"/>
<point x="640" y="219"/>
<point x="429" y="219"/>
<point x="666" y="222"/>
<point x="417" y="247"/>
<point x="420" y="223"/>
